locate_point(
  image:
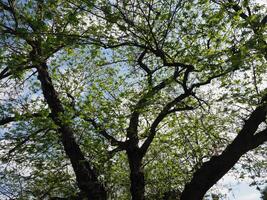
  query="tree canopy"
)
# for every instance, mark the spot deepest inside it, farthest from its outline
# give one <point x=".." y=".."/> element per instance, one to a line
<point x="131" y="99"/>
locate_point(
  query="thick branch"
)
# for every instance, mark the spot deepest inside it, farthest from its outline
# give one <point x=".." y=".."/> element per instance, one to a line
<point x="145" y="67"/>
<point x="264" y="20"/>
<point x="195" y="85"/>
<point x="162" y="55"/>
<point x="238" y="9"/>
<point x="105" y="134"/>
<point x="164" y="112"/>
<point x="7" y="120"/>
<point x="213" y="170"/>
<point x="85" y="175"/>
<point x="4" y="73"/>
<point x="132" y="130"/>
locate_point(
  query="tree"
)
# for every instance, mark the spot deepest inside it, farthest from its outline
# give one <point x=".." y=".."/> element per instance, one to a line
<point x="264" y="194"/>
<point x="118" y="87"/>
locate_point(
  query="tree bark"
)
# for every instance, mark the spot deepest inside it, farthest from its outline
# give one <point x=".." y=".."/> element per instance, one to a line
<point x="135" y="157"/>
<point x="213" y="170"/>
<point x="136" y="175"/>
<point x="85" y="175"/>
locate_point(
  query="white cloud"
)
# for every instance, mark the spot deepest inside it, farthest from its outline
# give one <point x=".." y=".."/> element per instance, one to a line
<point x="253" y="196"/>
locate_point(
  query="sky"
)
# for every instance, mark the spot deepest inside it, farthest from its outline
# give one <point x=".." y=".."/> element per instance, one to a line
<point x="241" y="189"/>
<point x="244" y="192"/>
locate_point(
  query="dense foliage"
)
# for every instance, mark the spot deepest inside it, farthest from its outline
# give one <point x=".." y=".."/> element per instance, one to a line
<point x="131" y="99"/>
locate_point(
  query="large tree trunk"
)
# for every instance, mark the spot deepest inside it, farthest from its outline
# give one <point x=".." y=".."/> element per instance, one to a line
<point x="213" y="170"/>
<point x="85" y="175"/>
<point x="135" y="159"/>
<point x="136" y="175"/>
